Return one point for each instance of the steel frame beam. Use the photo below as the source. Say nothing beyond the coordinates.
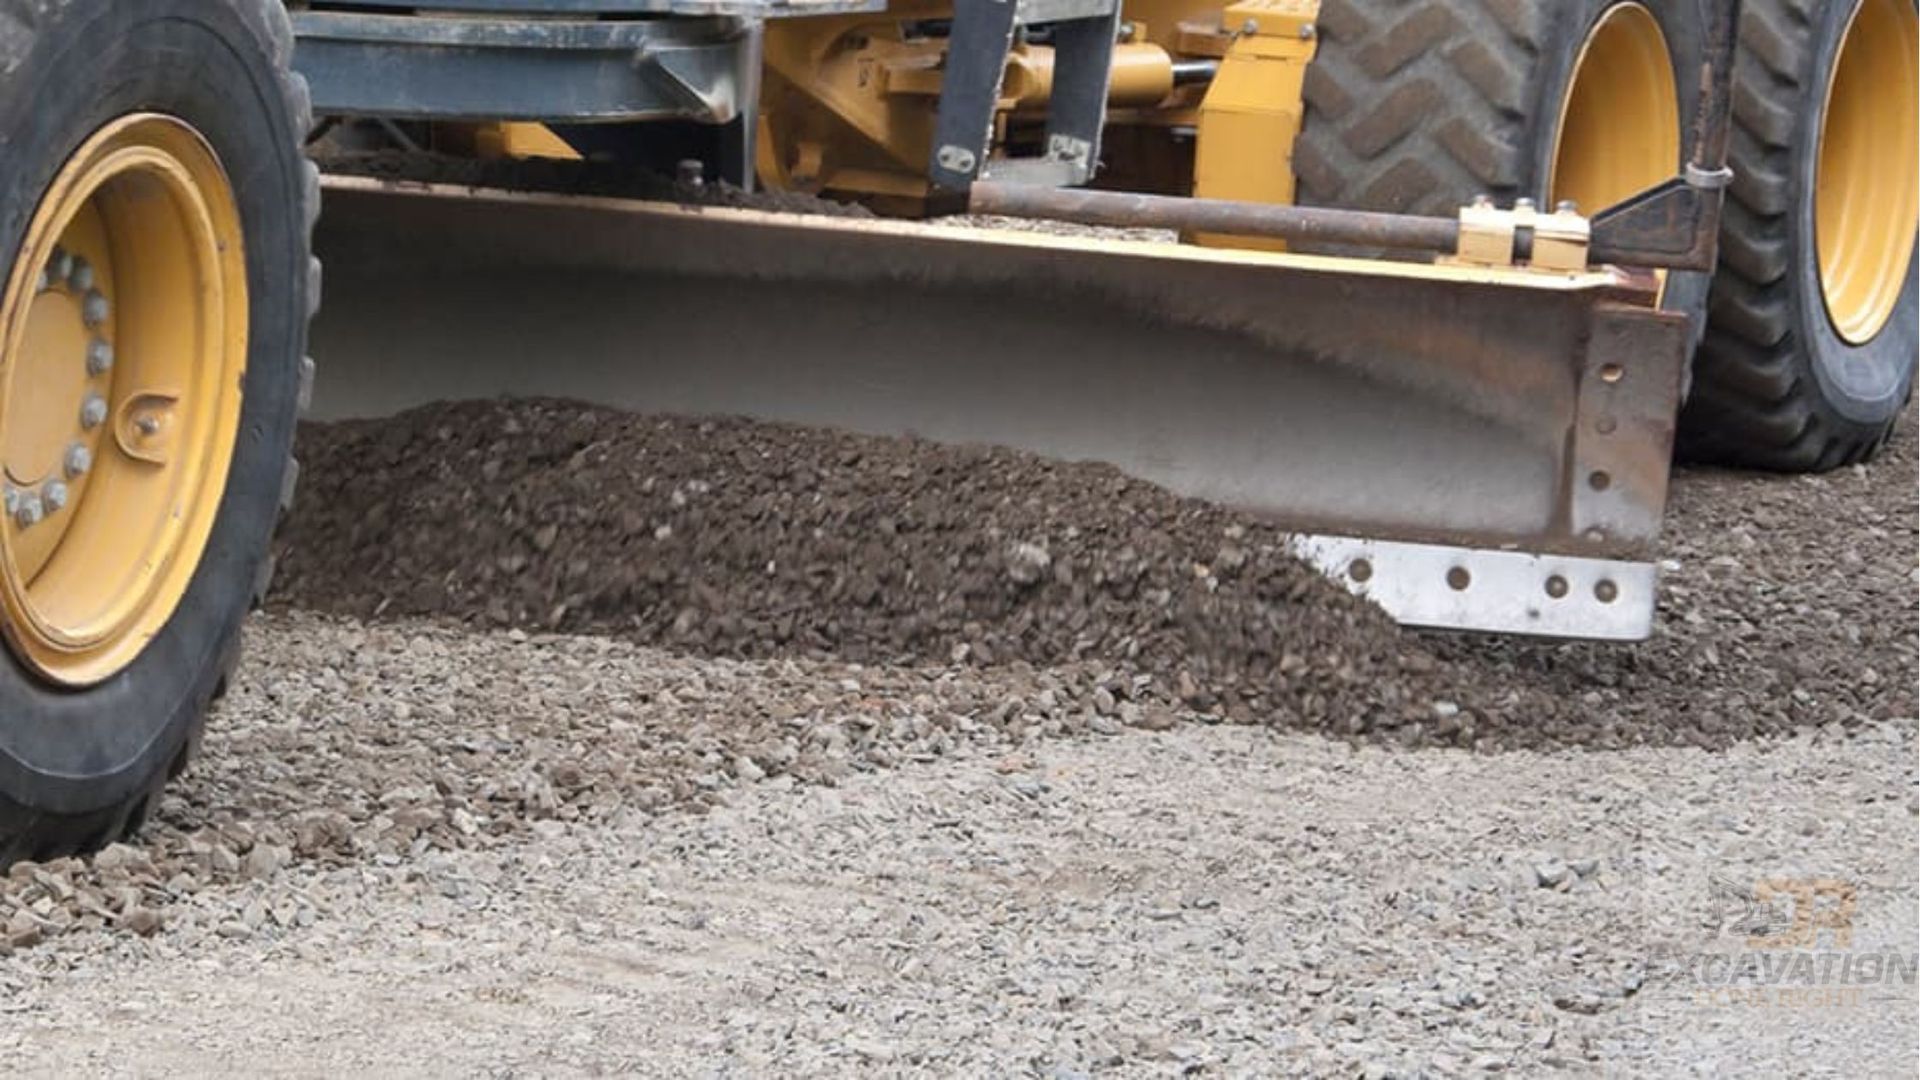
(704, 69)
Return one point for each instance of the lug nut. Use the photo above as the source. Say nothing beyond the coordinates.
(94, 309)
(1568, 206)
(93, 412)
(99, 357)
(59, 266)
(13, 501)
(79, 460)
(81, 276)
(54, 494)
(28, 512)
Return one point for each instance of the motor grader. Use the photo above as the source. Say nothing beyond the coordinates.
(1437, 284)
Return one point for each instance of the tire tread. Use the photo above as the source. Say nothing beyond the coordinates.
(1409, 105)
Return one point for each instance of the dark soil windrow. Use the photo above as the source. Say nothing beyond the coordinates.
(743, 539)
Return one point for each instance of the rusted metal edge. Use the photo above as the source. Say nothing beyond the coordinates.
(1294, 224)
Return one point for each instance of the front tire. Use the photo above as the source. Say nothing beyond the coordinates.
(182, 441)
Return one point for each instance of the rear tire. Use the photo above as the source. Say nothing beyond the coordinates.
(1776, 386)
(81, 766)
(1418, 107)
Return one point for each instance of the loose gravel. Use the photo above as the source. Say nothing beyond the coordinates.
(1785, 603)
(479, 813)
(739, 539)
(1215, 900)
(731, 538)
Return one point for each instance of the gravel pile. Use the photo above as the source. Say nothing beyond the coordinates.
(432, 791)
(740, 539)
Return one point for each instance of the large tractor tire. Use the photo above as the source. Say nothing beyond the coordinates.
(155, 212)
(1418, 107)
(1810, 352)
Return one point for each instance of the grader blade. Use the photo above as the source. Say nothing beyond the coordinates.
(1473, 448)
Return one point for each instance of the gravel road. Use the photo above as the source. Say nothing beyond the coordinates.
(436, 841)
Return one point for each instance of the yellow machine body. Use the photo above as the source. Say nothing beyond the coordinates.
(1253, 109)
(849, 101)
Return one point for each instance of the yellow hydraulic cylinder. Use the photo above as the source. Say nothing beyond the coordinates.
(1142, 76)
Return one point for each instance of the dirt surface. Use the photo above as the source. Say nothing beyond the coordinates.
(1060, 228)
(739, 539)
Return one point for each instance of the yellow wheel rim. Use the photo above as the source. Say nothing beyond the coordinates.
(1867, 190)
(1619, 128)
(124, 325)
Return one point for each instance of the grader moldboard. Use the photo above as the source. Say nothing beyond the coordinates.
(1355, 286)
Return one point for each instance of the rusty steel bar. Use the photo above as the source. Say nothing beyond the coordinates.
(1298, 224)
(1713, 113)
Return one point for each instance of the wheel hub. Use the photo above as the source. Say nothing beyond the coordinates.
(124, 328)
(64, 366)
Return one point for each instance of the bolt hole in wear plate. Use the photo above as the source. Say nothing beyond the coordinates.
(124, 325)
